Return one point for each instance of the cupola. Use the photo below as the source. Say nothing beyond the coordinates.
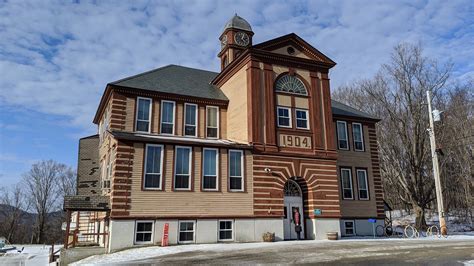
(235, 38)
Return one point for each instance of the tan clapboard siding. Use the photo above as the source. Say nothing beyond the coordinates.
(223, 123)
(156, 116)
(317, 179)
(179, 119)
(192, 203)
(202, 122)
(237, 116)
(130, 114)
(352, 159)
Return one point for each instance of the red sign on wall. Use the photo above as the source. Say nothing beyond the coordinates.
(164, 238)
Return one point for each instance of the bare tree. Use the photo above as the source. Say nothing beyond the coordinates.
(43, 185)
(397, 94)
(12, 212)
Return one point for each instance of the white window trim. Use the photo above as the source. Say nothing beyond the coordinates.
(196, 120)
(353, 227)
(307, 118)
(289, 114)
(161, 167)
(217, 170)
(194, 231)
(149, 116)
(366, 183)
(242, 170)
(152, 232)
(190, 149)
(347, 136)
(218, 118)
(219, 231)
(361, 136)
(161, 117)
(350, 182)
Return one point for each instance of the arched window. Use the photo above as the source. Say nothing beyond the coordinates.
(290, 84)
(292, 189)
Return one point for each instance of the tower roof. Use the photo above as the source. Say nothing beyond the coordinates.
(237, 22)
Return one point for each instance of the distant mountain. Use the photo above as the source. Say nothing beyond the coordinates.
(24, 231)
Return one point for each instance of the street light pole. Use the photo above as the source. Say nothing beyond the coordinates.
(434, 156)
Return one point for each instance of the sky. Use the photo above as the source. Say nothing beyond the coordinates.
(57, 56)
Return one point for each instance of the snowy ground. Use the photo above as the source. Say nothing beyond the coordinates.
(34, 255)
(324, 251)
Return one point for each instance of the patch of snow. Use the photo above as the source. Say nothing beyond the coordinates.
(34, 255)
(144, 253)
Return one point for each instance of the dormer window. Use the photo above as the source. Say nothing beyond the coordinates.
(290, 84)
(142, 124)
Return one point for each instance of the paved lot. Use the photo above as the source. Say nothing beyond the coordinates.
(361, 252)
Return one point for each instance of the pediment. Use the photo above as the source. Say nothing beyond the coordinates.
(293, 45)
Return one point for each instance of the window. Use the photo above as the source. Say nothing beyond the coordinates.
(210, 162)
(143, 232)
(212, 121)
(362, 184)
(290, 84)
(143, 115)
(346, 180)
(283, 117)
(236, 164)
(186, 231)
(182, 177)
(190, 119)
(167, 117)
(358, 135)
(153, 166)
(302, 119)
(226, 231)
(349, 228)
(342, 142)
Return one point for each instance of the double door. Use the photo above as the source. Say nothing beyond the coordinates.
(292, 206)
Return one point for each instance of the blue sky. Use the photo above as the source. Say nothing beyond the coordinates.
(56, 57)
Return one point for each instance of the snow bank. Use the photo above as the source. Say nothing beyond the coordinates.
(34, 255)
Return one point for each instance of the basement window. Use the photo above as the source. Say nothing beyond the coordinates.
(143, 232)
(186, 231)
(349, 228)
(226, 232)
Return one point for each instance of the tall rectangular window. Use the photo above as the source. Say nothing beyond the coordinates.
(302, 119)
(236, 165)
(346, 181)
(342, 141)
(283, 116)
(358, 135)
(142, 124)
(362, 184)
(226, 230)
(167, 117)
(153, 166)
(143, 232)
(182, 176)
(210, 163)
(212, 121)
(190, 119)
(186, 231)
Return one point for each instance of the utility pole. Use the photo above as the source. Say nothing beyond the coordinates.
(434, 156)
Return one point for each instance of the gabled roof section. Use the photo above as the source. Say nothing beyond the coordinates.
(176, 80)
(296, 41)
(340, 109)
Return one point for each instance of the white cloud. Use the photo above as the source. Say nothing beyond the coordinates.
(56, 58)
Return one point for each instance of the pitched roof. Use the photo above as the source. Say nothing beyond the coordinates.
(196, 82)
(177, 80)
(345, 110)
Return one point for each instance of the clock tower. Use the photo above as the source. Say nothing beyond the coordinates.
(236, 37)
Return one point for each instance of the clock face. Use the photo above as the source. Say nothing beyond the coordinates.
(224, 40)
(241, 38)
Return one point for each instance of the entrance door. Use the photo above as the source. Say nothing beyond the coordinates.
(293, 202)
